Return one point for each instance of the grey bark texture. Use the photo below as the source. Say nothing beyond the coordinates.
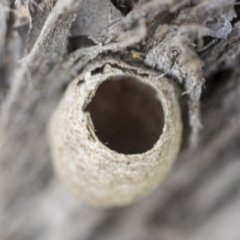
(45, 44)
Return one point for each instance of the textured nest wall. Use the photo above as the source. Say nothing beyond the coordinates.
(45, 45)
(115, 135)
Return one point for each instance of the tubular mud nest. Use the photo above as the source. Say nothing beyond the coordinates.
(115, 135)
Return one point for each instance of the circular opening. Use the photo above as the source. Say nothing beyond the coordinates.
(127, 116)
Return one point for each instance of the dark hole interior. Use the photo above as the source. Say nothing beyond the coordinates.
(124, 6)
(127, 116)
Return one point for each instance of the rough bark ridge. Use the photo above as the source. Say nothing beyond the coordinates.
(46, 44)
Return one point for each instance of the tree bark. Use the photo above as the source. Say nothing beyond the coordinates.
(44, 45)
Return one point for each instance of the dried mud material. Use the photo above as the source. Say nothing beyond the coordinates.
(115, 134)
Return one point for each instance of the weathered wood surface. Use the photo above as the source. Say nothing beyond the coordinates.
(188, 40)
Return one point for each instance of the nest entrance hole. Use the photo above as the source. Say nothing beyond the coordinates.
(127, 116)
